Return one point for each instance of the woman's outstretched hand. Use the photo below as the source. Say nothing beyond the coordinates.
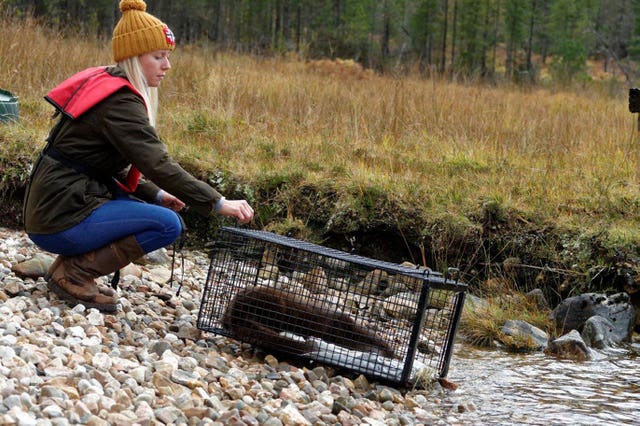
(239, 209)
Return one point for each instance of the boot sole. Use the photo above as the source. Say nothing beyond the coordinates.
(73, 301)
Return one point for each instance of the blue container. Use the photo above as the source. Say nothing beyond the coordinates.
(8, 107)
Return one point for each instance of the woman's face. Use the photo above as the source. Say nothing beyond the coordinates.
(155, 65)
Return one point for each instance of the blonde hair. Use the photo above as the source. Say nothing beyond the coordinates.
(133, 69)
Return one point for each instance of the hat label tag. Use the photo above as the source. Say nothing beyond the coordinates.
(168, 34)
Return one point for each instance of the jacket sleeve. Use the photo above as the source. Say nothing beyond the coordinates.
(147, 191)
(127, 127)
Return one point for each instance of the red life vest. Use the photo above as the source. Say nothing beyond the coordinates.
(81, 92)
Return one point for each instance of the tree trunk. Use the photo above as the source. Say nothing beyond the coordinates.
(530, 41)
(443, 59)
(453, 35)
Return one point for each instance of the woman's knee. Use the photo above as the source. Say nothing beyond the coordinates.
(168, 227)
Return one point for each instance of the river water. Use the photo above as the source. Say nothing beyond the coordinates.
(536, 389)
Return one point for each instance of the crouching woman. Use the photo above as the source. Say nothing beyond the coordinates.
(105, 190)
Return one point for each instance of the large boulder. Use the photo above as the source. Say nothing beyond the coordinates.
(572, 313)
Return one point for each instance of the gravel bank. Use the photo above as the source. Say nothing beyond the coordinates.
(148, 364)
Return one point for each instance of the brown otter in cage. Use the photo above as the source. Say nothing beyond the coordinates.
(281, 321)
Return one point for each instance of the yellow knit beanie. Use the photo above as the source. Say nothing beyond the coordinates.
(139, 32)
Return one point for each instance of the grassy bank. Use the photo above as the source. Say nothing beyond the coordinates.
(435, 172)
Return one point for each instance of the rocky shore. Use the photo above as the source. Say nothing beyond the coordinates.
(148, 364)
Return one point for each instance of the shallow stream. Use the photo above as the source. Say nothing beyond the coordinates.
(536, 389)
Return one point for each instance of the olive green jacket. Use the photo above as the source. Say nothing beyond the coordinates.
(109, 137)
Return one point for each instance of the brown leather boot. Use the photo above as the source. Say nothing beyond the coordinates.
(72, 278)
(103, 289)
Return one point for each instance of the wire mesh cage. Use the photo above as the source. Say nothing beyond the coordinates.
(390, 322)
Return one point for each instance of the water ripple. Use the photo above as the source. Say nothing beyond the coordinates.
(538, 389)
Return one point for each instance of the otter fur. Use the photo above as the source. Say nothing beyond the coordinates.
(268, 317)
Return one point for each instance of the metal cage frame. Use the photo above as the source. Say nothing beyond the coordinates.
(244, 262)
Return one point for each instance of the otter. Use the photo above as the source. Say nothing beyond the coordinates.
(282, 321)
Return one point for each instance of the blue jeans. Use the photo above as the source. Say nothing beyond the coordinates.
(153, 226)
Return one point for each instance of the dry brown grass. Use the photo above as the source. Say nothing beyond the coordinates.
(558, 155)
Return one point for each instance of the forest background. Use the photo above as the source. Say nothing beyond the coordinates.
(492, 136)
(510, 39)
